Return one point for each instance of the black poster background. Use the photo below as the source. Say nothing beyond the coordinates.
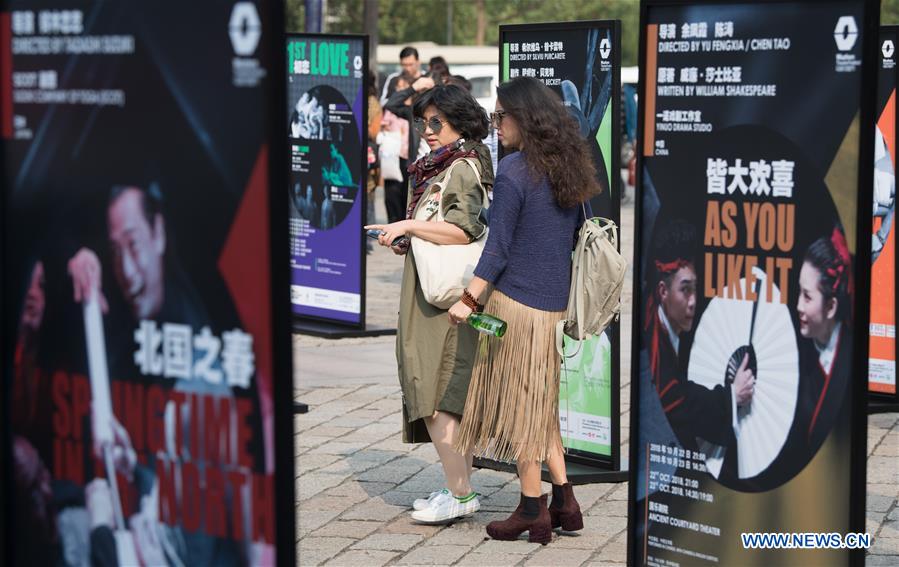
(819, 121)
(186, 115)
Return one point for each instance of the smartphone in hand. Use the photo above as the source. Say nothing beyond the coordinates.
(376, 232)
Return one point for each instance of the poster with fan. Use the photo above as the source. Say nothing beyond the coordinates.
(751, 278)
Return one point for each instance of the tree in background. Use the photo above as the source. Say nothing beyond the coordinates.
(406, 21)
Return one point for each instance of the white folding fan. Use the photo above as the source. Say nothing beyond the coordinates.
(728, 329)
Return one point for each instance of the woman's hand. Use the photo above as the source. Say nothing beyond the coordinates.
(459, 313)
(390, 232)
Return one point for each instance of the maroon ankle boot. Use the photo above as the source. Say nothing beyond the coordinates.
(566, 514)
(539, 529)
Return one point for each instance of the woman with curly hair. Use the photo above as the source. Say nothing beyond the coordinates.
(435, 358)
(539, 203)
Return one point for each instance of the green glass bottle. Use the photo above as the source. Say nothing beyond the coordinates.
(487, 324)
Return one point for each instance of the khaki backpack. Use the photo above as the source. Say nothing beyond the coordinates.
(597, 277)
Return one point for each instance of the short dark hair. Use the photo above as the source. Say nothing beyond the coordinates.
(409, 51)
(150, 199)
(834, 273)
(459, 108)
(674, 241)
(459, 80)
(439, 66)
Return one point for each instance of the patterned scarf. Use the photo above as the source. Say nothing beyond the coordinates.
(433, 164)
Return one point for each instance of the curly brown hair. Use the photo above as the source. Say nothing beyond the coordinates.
(551, 139)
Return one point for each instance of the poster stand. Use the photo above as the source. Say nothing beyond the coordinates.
(326, 330)
(578, 470)
(881, 406)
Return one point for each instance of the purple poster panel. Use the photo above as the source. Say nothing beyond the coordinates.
(326, 107)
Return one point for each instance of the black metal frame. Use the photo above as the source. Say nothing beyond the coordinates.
(317, 325)
(282, 344)
(612, 462)
(858, 415)
(881, 402)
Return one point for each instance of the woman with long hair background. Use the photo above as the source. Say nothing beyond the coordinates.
(539, 203)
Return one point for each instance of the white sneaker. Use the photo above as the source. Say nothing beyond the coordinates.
(445, 507)
(422, 503)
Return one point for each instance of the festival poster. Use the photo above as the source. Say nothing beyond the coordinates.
(581, 62)
(326, 124)
(139, 332)
(882, 349)
(750, 280)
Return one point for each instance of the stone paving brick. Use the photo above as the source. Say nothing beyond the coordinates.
(320, 396)
(360, 491)
(308, 521)
(611, 508)
(894, 514)
(877, 503)
(372, 510)
(311, 484)
(404, 524)
(498, 548)
(363, 558)
(881, 560)
(489, 560)
(390, 472)
(584, 539)
(604, 524)
(354, 529)
(348, 467)
(889, 530)
(309, 441)
(338, 447)
(310, 463)
(328, 430)
(462, 534)
(433, 555)
(322, 503)
(374, 432)
(885, 546)
(883, 470)
(613, 553)
(388, 542)
(551, 557)
(883, 489)
(873, 520)
(395, 443)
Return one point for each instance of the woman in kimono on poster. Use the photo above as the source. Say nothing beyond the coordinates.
(824, 312)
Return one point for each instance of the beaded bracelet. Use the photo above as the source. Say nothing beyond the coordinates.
(469, 301)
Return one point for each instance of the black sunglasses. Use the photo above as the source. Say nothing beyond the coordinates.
(435, 124)
(496, 118)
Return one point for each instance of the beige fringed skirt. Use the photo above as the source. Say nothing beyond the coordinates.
(512, 408)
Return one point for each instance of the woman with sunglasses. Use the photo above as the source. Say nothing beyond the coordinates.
(433, 356)
(539, 203)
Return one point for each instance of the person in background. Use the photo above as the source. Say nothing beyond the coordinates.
(410, 68)
(438, 69)
(374, 128)
(400, 104)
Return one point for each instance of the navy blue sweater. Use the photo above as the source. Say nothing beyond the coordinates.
(528, 250)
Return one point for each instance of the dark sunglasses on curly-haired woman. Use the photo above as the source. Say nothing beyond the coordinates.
(435, 124)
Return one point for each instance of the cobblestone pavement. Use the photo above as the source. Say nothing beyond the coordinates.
(355, 479)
